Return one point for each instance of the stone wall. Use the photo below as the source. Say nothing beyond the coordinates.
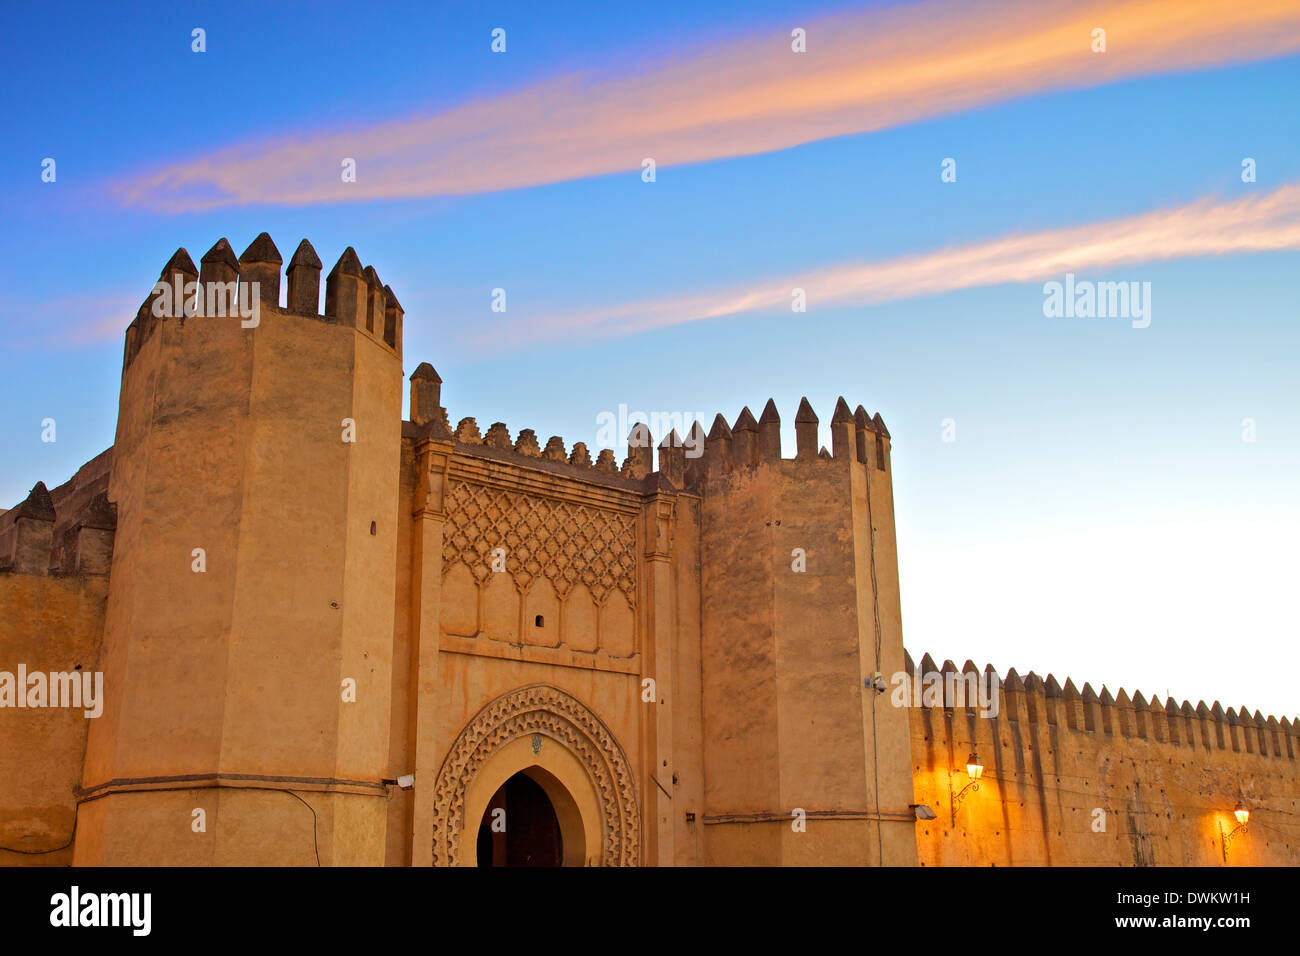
(1076, 778)
(55, 550)
(685, 658)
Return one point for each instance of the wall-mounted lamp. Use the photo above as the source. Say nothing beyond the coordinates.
(975, 770)
(1242, 815)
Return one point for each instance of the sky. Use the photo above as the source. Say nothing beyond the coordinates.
(1112, 499)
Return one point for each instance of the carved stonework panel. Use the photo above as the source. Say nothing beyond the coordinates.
(539, 712)
(558, 540)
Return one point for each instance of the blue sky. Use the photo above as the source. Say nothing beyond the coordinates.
(1098, 516)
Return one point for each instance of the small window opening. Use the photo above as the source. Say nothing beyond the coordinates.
(372, 527)
(540, 622)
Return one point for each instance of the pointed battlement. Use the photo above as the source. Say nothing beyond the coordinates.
(224, 288)
(260, 264)
(745, 440)
(67, 530)
(374, 300)
(689, 462)
(718, 449)
(805, 431)
(1033, 700)
(726, 449)
(1060, 765)
(219, 263)
(179, 265)
(672, 459)
(393, 315)
(28, 533)
(346, 290)
(429, 418)
(304, 280)
(843, 438)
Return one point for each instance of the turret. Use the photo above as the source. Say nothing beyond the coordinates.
(225, 467)
(426, 394)
(798, 571)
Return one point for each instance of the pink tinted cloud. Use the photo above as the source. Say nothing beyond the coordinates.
(861, 72)
(1207, 227)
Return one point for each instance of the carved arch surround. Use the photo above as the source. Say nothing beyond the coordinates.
(549, 712)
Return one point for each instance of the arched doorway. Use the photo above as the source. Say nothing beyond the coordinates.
(560, 745)
(520, 826)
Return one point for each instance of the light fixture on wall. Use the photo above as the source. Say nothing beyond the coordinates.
(974, 770)
(1243, 816)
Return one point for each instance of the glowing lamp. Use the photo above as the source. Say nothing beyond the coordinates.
(975, 770)
(1242, 815)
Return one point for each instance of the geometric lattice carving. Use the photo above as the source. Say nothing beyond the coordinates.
(548, 711)
(558, 540)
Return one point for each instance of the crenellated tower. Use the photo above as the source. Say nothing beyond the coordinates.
(804, 761)
(248, 634)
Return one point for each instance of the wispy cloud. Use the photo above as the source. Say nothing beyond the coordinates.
(81, 320)
(1207, 227)
(1203, 228)
(861, 72)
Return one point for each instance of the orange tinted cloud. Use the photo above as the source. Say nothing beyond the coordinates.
(860, 73)
(1207, 227)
